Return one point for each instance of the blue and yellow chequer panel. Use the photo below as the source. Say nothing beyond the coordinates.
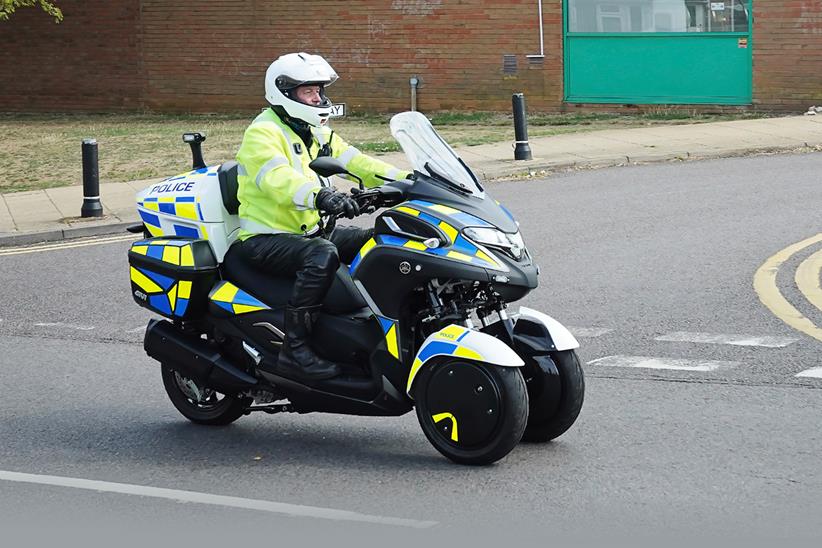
(462, 250)
(392, 338)
(186, 207)
(174, 252)
(465, 218)
(165, 295)
(445, 343)
(447, 229)
(229, 297)
(368, 246)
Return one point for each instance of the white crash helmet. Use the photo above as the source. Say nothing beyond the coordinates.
(298, 69)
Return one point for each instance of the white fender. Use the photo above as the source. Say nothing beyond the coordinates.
(563, 339)
(455, 340)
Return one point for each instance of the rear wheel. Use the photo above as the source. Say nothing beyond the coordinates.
(200, 404)
(556, 389)
(471, 412)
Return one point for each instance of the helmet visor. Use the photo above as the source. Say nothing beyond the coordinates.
(307, 93)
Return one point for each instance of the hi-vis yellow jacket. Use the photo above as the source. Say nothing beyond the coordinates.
(276, 186)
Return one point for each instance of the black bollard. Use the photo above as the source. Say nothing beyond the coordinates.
(91, 181)
(521, 149)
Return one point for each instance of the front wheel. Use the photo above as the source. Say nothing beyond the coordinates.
(556, 389)
(200, 404)
(471, 412)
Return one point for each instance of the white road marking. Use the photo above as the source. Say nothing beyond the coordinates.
(216, 500)
(137, 329)
(814, 372)
(66, 325)
(646, 362)
(736, 340)
(588, 332)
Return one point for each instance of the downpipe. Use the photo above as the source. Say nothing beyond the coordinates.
(194, 358)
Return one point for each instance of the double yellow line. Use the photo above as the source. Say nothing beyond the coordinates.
(66, 245)
(807, 280)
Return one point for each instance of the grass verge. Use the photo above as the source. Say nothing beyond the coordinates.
(43, 151)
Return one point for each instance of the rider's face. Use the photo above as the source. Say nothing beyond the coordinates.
(310, 95)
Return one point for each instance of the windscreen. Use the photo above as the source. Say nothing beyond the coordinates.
(428, 153)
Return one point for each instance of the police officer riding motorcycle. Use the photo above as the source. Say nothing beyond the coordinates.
(281, 200)
(243, 262)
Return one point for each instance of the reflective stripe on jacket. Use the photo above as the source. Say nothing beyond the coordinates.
(277, 188)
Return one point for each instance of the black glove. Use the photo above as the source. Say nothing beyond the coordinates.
(336, 203)
(411, 176)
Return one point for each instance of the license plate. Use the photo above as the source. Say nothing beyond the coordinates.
(338, 110)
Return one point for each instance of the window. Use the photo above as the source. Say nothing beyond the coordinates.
(614, 16)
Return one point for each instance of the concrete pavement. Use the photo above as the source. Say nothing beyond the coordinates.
(53, 214)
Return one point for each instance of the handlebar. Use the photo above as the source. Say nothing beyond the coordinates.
(370, 200)
(387, 195)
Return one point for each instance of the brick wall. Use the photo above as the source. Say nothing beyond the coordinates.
(212, 55)
(455, 47)
(787, 54)
(172, 56)
(90, 61)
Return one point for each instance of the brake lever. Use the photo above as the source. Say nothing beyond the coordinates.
(365, 197)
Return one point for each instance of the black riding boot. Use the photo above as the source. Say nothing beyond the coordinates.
(296, 357)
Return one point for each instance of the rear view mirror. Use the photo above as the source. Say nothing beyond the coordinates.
(326, 166)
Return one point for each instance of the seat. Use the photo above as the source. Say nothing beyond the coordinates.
(227, 175)
(343, 297)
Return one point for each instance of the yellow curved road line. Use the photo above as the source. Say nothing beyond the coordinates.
(765, 286)
(807, 279)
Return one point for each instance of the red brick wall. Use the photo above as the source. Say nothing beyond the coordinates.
(212, 55)
(787, 54)
(90, 61)
(455, 47)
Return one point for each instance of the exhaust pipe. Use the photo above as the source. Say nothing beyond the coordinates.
(194, 358)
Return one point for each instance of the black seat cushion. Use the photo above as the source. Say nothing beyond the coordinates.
(227, 174)
(343, 296)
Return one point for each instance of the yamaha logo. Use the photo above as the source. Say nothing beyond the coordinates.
(405, 267)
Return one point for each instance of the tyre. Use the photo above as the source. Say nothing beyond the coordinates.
(200, 404)
(555, 403)
(471, 412)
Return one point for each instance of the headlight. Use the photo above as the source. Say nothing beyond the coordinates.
(512, 243)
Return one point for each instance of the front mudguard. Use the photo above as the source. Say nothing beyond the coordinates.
(542, 331)
(458, 341)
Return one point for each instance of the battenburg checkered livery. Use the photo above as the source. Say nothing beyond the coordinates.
(400, 322)
(189, 205)
(172, 277)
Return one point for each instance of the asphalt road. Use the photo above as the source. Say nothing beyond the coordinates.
(727, 446)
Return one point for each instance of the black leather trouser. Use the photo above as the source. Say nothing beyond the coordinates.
(313, 261)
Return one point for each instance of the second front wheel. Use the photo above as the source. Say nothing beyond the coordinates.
(471, 412)
(556, 390)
